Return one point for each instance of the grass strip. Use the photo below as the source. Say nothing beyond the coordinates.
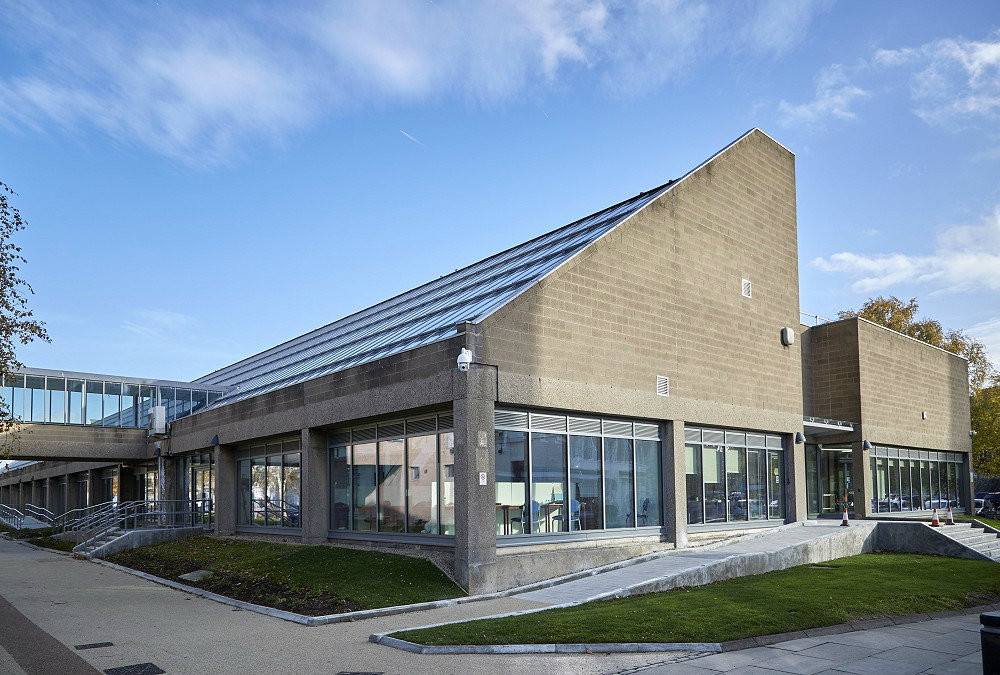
(858, 587)
(313, 580)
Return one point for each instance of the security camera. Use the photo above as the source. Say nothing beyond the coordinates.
(464, 360)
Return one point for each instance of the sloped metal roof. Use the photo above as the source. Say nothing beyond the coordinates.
(421, 316)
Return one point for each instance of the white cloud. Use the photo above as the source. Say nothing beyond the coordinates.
(200, 87)
(988, 332)
(833, 99)
(965, 258)
(954, 79)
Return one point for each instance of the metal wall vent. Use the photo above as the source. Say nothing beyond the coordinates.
(541, 422)
(584, 427)
(446, 421)
(615, 428)
(424, 426)
(509, 419)
(662, 385)
(647, 431)
(747, 289)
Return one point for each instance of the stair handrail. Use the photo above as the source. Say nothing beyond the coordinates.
(143, 514)
(67, 519)
(91, 515)
(10, 515)
(39, 513)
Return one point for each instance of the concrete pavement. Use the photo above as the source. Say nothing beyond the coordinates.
(940, 647)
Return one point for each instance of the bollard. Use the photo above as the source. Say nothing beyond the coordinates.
(990, 637)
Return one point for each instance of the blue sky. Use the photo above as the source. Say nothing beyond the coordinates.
(203, 182)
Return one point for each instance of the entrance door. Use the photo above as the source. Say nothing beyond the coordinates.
(828, 481)
(201, 493)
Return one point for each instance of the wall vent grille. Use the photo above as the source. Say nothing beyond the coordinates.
(747, 289)
(578, 425)
(341, 438)
(364, 434)
(662, 385)
(547, 422)
(509, 419)
(391, 430)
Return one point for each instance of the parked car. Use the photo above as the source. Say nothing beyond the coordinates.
(978, 506)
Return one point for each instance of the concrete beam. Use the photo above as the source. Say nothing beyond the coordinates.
(79, 443)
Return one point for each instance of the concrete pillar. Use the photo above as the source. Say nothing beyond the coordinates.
(51, 485)
(675, 484)
(225, 489)
(861, 479)
(314, 514)
(36, 493)
(93, 485)
(967, 483)
(796, 507)
(475, 503)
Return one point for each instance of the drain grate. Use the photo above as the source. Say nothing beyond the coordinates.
(137, 669)
(95, 645)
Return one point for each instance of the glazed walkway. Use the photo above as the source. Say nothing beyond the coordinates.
(820, 540)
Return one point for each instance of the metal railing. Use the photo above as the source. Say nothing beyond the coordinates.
(147, 514)
(11, 517)
(40, 513)
(814, 319)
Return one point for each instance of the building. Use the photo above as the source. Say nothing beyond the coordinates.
(639, 379)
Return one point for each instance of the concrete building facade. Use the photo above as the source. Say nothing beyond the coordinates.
(635, 380)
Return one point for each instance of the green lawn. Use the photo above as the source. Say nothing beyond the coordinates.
(308, 579)
(864, 586)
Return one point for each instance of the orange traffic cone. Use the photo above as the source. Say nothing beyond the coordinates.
(951, 517)
(934, 520)
(844, 523)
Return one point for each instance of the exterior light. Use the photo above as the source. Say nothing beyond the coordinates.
(799, 437)
(866, 444)
(464, 360)
(787, 336)
(972, 433)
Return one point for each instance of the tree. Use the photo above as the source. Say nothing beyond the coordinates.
(17, 323)
(984, 383)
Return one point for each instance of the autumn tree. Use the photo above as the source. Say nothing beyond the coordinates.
(18, 325)
(984, 384)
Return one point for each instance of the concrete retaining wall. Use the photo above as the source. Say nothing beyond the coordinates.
(911, 537)
(137, 538)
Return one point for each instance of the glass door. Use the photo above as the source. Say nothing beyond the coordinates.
(201, 494)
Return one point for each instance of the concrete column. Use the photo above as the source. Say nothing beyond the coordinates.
(226, 482)
(967, 483)
(51, 485)
(315, 510)
(796, 507)
(861, 479)
(93, 483)
(475, 503)
(36, 493)
(675, 484)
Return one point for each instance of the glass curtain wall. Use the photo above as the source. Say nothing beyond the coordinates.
(270, 484)
(397, 477)
(564, 474)
(916, 480)
(57, 400)
(733, 476)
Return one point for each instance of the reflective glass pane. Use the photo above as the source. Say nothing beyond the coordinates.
(130, 406)
(363, 484)
(647, 482)
(95, 402)
(213, 396)
(392, 486)
(245, 512)
(34, 398)
(925, 484)
(814, 492)
(112, 404)
(199, 399)
(693, 478)
(548, 482)
(586, 504)
(183, 402)
(147, 399)
(259, 492)
(447, 468)
(422, 488)
(55, 400)
(714, 465)
(275, 505)
(757, 483)
(776, 484)
(17, 393)
(168, 399)
(512, 476)
(880, 501)
(904, 484)
(619, 493)
(75, 399)
(292, 491)
(340, 488)
(736, 483)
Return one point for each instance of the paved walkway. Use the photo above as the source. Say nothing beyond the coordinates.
(676, 563)
(942, 646)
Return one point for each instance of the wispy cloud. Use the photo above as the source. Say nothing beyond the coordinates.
(965, 258)
(412, 138)
(834, 96)
(201, 86)
(988, 332)
(952, 80)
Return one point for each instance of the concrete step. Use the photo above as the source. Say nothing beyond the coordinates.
(977, 540)
(988, 545)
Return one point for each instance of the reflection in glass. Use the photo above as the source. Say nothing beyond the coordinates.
(392, 486)
(291, 490)
(421, 457)
(693, 477)
(246, 493)
(736, 470)
(275, 501)
(199, 399)
(259, 498)
(548, 482)
(647, 482)
(619, 494)
(340, 486)
(511, 450)
(55, 400)
(447, 480)
(168, 399)
(757, 482)
(776, 499)
(17, 393)
(586, 502)
(363, 482)
(74, 394)
(35, 398)
(95, 402)
(713, 462)
(130, 407)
